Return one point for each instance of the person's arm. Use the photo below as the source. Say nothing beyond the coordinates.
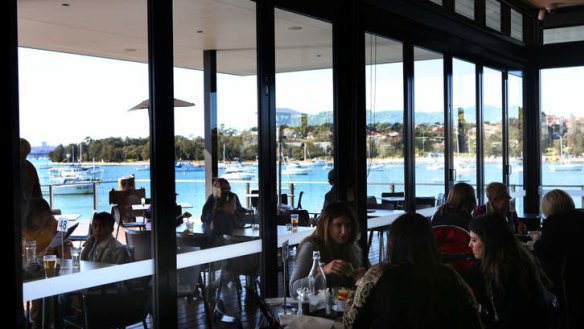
(207, 213)
(299, 276)
(358, 311)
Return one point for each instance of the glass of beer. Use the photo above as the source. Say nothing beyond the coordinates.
(50, 264)
(294, 222)
(75, 257)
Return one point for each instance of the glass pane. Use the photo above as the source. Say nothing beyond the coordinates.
(304, 104)
(516, 25)
(493, 125)
(515, 142)
(564, 34)
(429, 122)
(465, 8)
(464, 125)
(493, 14)
(562, 137)
(384, 87)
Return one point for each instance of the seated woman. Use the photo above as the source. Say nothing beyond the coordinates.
(498, 203)
(413, 290)
(507, 281)
(221, 185)
(223, 217)
(560, 252)
(457, 208)
(335, 237)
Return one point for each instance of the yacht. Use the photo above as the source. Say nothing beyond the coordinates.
(74, 179)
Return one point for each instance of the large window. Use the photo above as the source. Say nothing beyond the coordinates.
(515, 142)
(464, 134)
(384, 88)
(429, 123)
(304, 105)
(562, 132)
(493, 125)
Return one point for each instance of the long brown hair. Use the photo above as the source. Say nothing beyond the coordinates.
(461, 199)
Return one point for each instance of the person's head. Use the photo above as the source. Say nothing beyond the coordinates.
(411, 241)
(498, 197)
(461, 197)
(24, 149)
(490, 236)
(39, 214)
(337, 224)
(102, 225)
(221, 185)
(555, 202)
(226, 203)
(331, 177)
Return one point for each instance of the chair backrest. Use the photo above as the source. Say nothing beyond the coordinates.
(303, 217)
(452, 242)
(112, 310)
(188, 277)
(299, 204)
(371, 200)
(254, 200)
(125, 199)
(141, 243)
(440, 199)
(425, 202)
(284, 198)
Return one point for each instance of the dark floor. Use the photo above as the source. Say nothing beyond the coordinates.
(191, 312)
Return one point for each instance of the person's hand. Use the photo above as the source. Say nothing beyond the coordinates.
(337, 266)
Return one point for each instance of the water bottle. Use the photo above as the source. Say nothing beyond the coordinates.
(317, 284)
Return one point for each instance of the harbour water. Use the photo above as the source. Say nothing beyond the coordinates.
(381, 176)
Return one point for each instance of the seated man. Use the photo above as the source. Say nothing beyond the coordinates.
(101, 246)
(499, 197)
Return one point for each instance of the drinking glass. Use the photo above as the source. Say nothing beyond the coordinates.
(75, 257)
(50, 265)
(30, 251)
(294, 222)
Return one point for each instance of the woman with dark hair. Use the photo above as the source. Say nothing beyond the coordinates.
(412, 290)
(457, 208)
(336, 235)
(508, 283)
(223, 216)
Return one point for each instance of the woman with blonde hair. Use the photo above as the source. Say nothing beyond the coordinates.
(457, 208)
(559, 251)
(555, 202)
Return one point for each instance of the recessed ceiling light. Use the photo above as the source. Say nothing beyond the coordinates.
(318, 55)
(200, 31)
(295, 28)
(65, 4)
(130, 49)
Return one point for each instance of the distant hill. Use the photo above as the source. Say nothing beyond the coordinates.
(490, 113)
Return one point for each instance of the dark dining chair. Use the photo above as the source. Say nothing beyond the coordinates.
(140, 244)
(112, 310)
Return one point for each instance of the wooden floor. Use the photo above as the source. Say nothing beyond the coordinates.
(191, 313)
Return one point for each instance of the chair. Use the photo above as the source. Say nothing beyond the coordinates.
(380, 230)
(452, 242)
(188, 279)
(284, 198)
(303, 217)
(299, 204)
(423, 202)
(396, 204)
(371, 200)
(112, 310)
(125, 199)
(116, 213)
(140, 242)
(440, 199)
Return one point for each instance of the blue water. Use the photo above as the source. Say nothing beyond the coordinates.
(190, 185)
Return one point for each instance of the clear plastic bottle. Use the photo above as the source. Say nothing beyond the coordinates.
(317, 284)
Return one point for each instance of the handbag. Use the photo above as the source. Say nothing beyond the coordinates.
(267, 320)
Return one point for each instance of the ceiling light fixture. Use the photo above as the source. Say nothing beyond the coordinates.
(295, 28)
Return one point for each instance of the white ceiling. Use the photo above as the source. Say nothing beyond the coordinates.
(117, 29)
